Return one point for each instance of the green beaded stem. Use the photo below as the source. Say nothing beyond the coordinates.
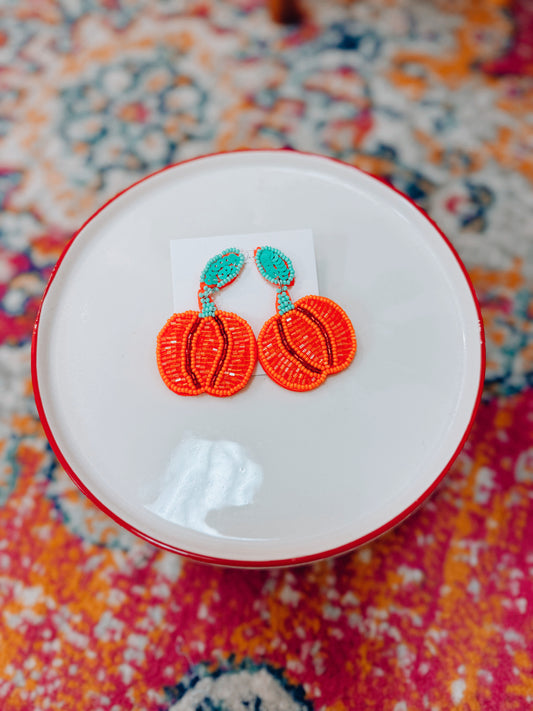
(219, 271)
(277, 269)
(283, 301)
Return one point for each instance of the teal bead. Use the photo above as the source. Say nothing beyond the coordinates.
(222, 268)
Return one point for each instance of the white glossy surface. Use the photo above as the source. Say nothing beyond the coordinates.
(267, 474)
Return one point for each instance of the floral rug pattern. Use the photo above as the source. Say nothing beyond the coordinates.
(435, 97)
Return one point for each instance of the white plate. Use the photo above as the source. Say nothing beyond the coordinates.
(267, 476)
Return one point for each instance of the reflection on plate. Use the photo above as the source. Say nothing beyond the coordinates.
(203, 477)
(267, 476)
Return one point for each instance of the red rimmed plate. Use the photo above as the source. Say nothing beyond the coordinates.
(269, 476)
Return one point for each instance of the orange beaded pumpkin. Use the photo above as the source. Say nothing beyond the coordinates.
(208, 351)
(306, 340)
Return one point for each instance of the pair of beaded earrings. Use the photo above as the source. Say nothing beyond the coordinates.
(215, 351)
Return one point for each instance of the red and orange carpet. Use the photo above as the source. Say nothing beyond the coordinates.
(436, 97)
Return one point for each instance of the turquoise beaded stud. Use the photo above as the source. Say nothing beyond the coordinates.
(219, 271)
(276, 268)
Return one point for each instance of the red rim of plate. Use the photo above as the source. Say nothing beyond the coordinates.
(345, 548)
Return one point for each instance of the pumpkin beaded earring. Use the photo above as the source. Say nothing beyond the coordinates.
(208, 351)
(306, 340)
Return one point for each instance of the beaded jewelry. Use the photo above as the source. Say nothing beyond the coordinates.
(306, 340)
(208, 351)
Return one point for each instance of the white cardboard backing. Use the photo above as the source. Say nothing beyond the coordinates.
(249, 296)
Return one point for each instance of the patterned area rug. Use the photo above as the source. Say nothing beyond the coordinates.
(437, 98)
